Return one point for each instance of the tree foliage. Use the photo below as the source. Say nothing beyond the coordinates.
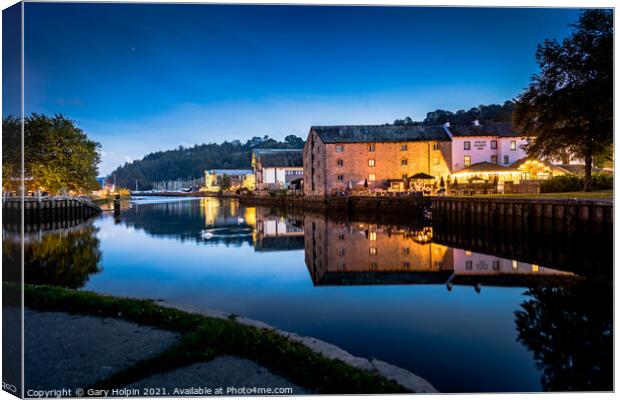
(57, 155)
(568, 106)
(483, 113)
(192, 162)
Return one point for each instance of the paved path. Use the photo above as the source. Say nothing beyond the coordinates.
(75, 351)
(229, 373)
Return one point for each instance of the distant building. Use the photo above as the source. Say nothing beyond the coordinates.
(239, 178)
(277, 168)
(377, 157)
(496, 143)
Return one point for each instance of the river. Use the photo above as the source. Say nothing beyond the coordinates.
(465, 320)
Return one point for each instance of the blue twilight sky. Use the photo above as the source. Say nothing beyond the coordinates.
(145, 77)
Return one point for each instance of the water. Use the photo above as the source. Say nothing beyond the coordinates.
(464, 320)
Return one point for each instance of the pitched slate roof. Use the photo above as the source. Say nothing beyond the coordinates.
(230, 171)
(502, 129)
(279, 157)
(486, 166)
(380, 133)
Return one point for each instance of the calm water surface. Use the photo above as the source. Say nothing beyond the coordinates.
(464, 320)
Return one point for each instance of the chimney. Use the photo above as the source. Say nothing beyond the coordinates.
(476, 122)
(446, 128)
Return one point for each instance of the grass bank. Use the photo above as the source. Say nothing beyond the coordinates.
(204, 338)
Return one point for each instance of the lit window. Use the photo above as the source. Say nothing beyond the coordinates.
(435, 160)
(372, 235)
(371, 177)
(469, 265)
(371, 147)
(513, 145)
(403, 162)
(373, 251)
(467, 161)
(467, 145)
(515, 265)
(435, 146)
(341, 178)
(371, 163)
(339, 148)
(494, 144)
(403, 147)
(494, 159)
(534, 267)
(340, 162)
(506, 160)
(468, 253)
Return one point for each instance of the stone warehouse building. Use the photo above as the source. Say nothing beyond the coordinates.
(276, 169)
(338, 158)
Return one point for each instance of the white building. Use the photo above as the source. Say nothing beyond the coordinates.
(277, 168)
(495, 143)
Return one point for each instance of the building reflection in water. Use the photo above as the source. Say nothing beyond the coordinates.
(338, 253)
(275, 232)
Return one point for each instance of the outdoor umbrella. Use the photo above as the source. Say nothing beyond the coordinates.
(422, 176)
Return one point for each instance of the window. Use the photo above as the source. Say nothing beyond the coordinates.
(494, 159)
(373, 265)
(403, 162)
(341, 236)
(341, 178)
(340, 162)
(372, 236)
(495, 265)
(469, 265)
(534, 267)
(515, 265)
(404, 176)
(405, 251)
(435, 160)
(467, 161)
(341, 266)
(506, 160)
(406, 264)
(494, 144)
(371, 147)
(435, 146)
(371, 162)
(341, 251)
(339, 148)
(403, 147)
(373, 251)
(513, 145)
(467, 145)
(371, 177)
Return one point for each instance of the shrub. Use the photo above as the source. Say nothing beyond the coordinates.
(602, 181)
(562, 183)
(574, 183)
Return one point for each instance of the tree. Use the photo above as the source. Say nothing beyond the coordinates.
(57, 155)
(568, 106)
